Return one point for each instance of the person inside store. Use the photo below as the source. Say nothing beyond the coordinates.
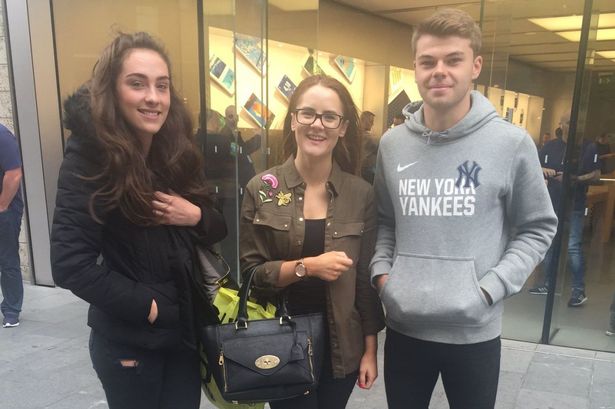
(398, 119)
(130, 190)
(546, 137)
(607, 158)
(464, 218)
(370, 146)
(308, 227)
(587, 171)
(11, 212)
(228, 168)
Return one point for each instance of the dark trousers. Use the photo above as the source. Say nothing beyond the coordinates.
(10, 270)
(469, 372)
(160, 379)
(331, 393)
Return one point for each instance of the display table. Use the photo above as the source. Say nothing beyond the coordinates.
(601, 202)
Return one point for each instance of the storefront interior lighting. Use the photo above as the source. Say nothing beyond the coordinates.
(568, 27)
(295, 5)
(610, 55)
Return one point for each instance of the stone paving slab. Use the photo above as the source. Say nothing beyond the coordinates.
(45, 363)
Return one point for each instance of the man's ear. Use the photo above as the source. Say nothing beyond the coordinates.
(477, 66)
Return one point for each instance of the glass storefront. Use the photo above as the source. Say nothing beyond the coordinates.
(236, 62)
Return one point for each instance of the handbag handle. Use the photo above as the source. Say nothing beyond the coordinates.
(244, 292)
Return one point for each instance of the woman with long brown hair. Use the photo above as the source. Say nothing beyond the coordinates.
(130, 189)
(309, 226)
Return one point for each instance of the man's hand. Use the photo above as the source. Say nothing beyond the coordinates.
(175, 210)
(487, 296)
(381, 281)
(548, 172)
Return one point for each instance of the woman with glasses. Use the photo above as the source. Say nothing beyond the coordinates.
(309, 226)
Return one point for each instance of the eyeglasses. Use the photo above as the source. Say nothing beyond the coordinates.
(306, 116)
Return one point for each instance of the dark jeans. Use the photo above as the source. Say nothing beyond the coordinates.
(331, 393)
(161, 379)
(10, 270)
(469, 372)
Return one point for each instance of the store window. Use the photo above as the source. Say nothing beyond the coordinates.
(536, 80)
(236, 63)
(82, 28)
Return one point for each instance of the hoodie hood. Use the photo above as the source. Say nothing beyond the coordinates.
(78, 114)
(481, 112)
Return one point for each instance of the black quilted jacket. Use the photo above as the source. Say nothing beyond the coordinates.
(119, 267)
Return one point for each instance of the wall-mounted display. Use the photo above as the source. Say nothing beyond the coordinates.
(311, 67)
(286, 87)
(395, 81)
(258, 111)
(222, 74)
(250, 49)
(396, 105)
(346, 65)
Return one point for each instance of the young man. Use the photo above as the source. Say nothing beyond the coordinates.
(464, 218)
(551, 158)
(11, 209)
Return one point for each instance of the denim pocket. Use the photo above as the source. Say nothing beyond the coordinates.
(433, 289)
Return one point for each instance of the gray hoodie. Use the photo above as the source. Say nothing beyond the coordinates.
(458, 210)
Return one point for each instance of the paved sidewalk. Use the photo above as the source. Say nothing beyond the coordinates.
(44, 364)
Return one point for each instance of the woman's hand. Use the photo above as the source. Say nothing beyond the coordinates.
(328, 266)
(368, 368)
(175, 210)
(153, 312)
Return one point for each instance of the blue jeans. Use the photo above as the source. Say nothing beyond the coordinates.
(576, 261)
(10, 270)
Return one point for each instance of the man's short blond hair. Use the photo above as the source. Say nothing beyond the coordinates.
(450, 22)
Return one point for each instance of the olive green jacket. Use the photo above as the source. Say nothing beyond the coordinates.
(272, 231)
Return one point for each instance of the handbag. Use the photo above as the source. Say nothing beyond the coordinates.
(214, 285)
(267, 359)
(214, 271)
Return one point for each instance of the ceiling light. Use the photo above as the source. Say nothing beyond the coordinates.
(575, 36)
(295, 5)
(607, 54)
(572, 22)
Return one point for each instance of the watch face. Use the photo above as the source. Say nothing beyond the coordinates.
(300, 270)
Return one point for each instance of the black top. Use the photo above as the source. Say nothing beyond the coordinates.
(308, 295)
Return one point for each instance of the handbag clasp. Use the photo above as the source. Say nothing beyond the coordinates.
(267, 362)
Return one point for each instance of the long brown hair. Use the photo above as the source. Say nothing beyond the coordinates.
(129, 178)
(347, 152)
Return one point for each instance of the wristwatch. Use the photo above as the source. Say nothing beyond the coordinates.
(300, 270)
